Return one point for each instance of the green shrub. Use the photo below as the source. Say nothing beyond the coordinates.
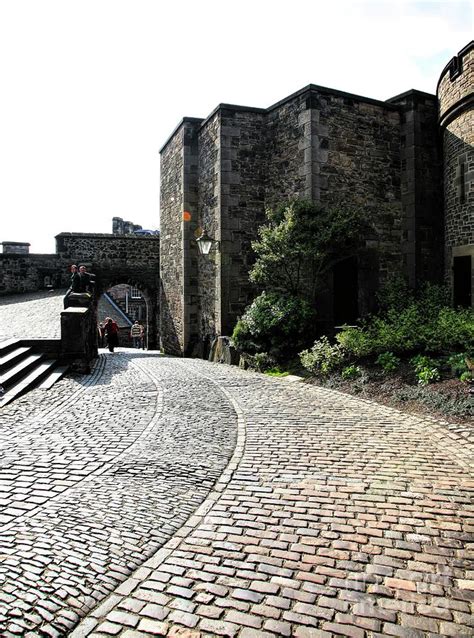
(276, 372)
(274, 323)
(422, 362)
(426, 369)
(452, 329)
(262, 361)
(388, 361)
(428, 375)
(457, 364)
(351, 372)
(424, 325)
(323, 357)
(466, 377)
(355, 341)
(395, 294)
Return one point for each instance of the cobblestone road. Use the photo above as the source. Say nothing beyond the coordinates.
(33, 315)
(331, 516)
(94, 477)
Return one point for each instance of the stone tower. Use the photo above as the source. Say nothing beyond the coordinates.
(456, 104)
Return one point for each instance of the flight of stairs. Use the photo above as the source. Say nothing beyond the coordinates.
(21, 369)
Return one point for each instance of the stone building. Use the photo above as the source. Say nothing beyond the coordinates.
(218, 175)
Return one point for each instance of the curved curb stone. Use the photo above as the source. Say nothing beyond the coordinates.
(179, 538)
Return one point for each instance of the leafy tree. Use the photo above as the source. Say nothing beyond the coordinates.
(301, 241)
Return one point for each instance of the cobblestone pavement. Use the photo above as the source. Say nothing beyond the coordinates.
(95, 476)
(331, 516)
(34, 315)
(334, 517)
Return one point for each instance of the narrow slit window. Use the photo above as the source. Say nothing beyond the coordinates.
(462, 183)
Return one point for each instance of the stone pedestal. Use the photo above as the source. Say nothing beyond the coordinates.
(79, 332)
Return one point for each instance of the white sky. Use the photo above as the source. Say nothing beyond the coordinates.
(90, 90)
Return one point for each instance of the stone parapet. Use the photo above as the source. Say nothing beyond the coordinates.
(456, 85)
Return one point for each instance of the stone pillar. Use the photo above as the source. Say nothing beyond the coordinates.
(79, 333)
(314, 145)
(117, 225)
(421, 190)
(189, 224)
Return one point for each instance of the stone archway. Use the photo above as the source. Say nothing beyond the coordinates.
(105, 282)
(119, 259)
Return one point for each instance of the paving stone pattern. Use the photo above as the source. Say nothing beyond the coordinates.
(95, 476)
(32, 315)
(335, 517)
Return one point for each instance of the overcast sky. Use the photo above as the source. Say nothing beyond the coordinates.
(90, 90)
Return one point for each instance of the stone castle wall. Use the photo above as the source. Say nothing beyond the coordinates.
(287, 152)
(321, 144)
(456, 80)
(356, 162)
(421, 186)
(207, 213)
(171, 221)
(242, 147)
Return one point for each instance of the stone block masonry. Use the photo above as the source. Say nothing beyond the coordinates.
(320, 144)
(456, 112)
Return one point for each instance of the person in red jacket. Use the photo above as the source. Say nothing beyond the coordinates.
(111, 332)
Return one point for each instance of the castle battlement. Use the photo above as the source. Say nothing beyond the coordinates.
(455, 86)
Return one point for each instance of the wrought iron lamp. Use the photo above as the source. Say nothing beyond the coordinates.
(204, 243)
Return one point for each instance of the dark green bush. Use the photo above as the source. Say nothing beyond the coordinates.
(274, 323)
(424, 325)
(388, 361)
(457, 363)
(351, 372)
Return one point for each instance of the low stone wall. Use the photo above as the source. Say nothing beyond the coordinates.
(31, 272)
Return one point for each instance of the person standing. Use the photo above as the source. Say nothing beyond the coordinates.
(135, 333)
(101, 330)
(111, 332)
(86, 280)
(74, 285)
(142, 336)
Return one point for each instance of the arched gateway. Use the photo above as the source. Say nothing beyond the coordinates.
(118, 259)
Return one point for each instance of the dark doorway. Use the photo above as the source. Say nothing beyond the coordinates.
(462, 281)
(346, 291)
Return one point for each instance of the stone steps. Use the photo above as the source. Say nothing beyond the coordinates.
(21, 370)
